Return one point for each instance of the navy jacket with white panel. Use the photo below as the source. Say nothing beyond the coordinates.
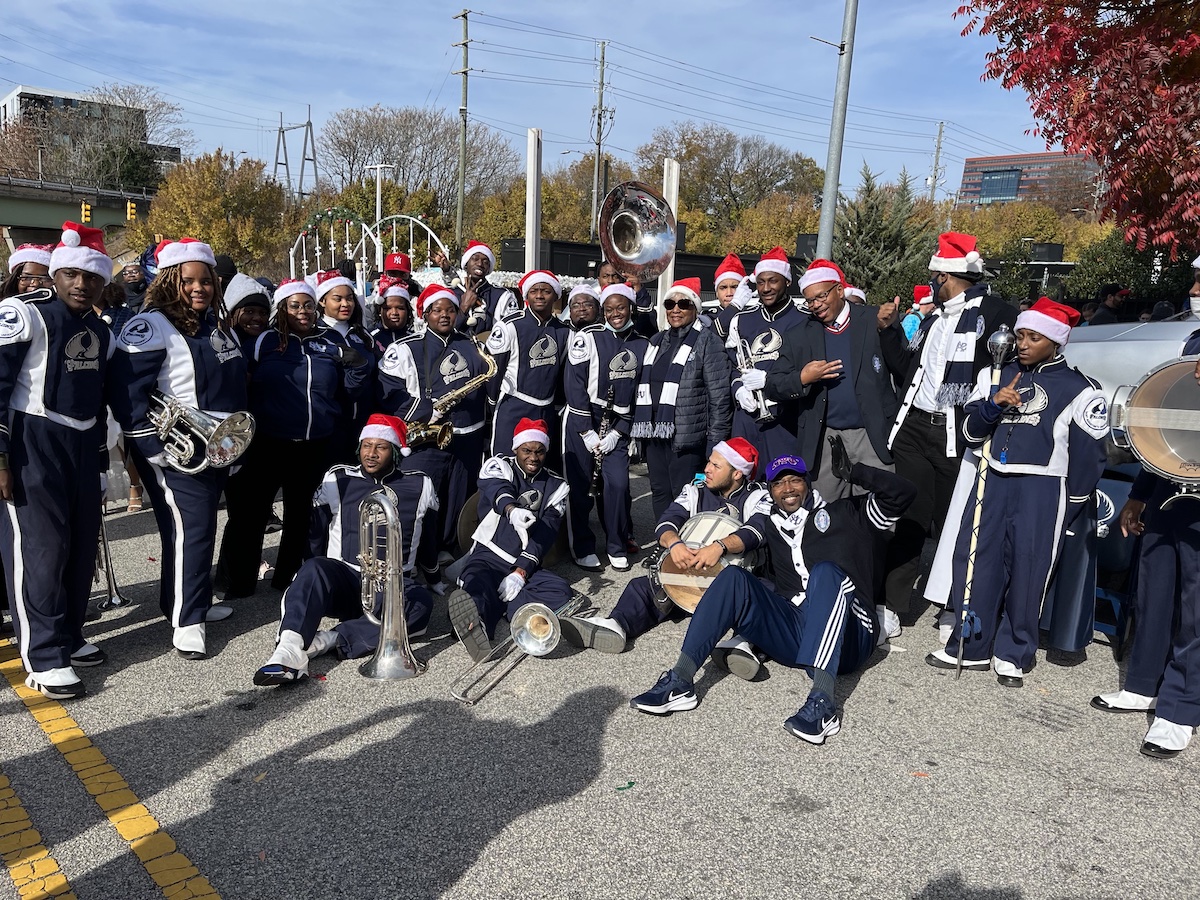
(421, 368)
(748, 500)
(501, 482)
(600, 359)
(529, 357)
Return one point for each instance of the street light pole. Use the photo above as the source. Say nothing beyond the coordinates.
(837, 132)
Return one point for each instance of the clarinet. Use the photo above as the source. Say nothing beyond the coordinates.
(605, 426)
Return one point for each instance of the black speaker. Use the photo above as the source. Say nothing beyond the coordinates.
(681, 237)
(806, 247)
(1046, 253)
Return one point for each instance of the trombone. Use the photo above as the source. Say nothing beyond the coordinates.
(380, 548)
(534, 631)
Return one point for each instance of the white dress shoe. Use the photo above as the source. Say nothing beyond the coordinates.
(1165, 738)
(620, 563)
(189, 641)
(589, 563)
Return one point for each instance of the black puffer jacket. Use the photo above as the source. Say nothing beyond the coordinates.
(703, 407)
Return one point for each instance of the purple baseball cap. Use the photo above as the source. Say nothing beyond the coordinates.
(781, 464)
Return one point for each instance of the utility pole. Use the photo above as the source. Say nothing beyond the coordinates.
(462, 132)
(837, 131)
(600, 115)
(937, 164)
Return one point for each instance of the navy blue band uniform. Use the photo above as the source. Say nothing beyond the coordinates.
(528, 382)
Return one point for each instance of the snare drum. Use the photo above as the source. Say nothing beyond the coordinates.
(1159, 420)
(685, 587)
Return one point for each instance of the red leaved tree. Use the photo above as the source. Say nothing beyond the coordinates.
(1120, 81)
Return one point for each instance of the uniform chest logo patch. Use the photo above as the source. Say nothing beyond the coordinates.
(137, 332)
(10, 322)
(821, 520)
(495, 341)
(453, 367)
(876, 364)
(224, 344)
(979, 326)
(83, 352)
(530, 499)
(766, 345)
(544, 352)
(623, 365)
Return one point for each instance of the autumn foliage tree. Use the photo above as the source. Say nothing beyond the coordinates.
(1120, 81)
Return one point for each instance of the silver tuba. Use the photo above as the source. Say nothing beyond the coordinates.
(185, 432)
(637, 231)
(380, 552)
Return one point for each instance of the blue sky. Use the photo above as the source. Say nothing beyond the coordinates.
(749, 66)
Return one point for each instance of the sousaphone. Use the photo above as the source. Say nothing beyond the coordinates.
(637, 231)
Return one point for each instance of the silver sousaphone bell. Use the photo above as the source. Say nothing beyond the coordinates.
(1158, 420)
(637, 231)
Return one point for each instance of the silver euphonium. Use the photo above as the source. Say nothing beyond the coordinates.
(185, 432)
(380, 557)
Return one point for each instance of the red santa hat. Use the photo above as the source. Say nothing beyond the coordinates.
(34, 253)
(774, 260)
(328, 280)
(387, 428)
(740, 454)
(922, 293)
(730, 268)
(540, 276)
(689, 288)
(432, 294)
(289, 287)
(619, 289)
(956, 254)
(852, 291)
(530, 430)
(175, 253)
(820, 271)
(81, 247)
(392, 287)
(1054, 320)
(478, 247)
(397, 262)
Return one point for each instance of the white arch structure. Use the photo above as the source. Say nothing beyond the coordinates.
(318, 248)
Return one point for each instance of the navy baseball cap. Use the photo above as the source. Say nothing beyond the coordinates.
(781, 464)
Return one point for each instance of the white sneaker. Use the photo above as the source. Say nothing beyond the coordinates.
(620, 563)
(589, 563)
(57, 684)
(322, 643)
(889, 620)
(189, 641)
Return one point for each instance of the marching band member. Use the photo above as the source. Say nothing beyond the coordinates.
(529, 346)
(329, 584)
(249, 307)
(600, 383)
(819, 616)
(645, 320)
(398, 268)
(728, 488)
(834, 368)
(483, 304)
(521, 504)
(759, 336)
(28, 270)
(298, 381)
(730, 276)
(1047, 427)
(683, 404)
(422, 369)
(393, 312)
(936, 372)
(341, 317)
(583, 306)
(181, 344)
(1162, 670)
(54, 354)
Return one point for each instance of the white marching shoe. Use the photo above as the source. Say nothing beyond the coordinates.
(1123, 701)
(189, 641)
(595, 632)
(736, 655)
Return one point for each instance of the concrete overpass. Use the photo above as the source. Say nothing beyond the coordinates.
(32, 210)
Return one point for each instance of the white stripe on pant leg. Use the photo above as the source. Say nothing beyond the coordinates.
(565, 451)
(834, 627)
(19, 586)
(177, 588)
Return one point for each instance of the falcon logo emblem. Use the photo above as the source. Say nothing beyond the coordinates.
(766, 346)
(453, 367)
(10, 322)
(224, 344)
(137, 332)
(544, 352)
(83, 352)
(531, 499)
(623, 365)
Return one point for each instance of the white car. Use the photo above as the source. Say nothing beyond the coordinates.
(1124, 353)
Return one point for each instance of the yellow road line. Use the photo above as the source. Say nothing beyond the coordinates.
(171, 870)
(35, 873)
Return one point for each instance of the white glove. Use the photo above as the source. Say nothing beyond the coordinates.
(745, 399)
(591, 441)
(755, 379)
(608, 443)
(521, 519)
(510, 587)
(103, 483)
(744, 293)
(158, 459)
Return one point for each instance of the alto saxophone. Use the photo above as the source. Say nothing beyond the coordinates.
(423, 432)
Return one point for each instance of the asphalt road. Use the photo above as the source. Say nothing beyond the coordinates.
(553, 787)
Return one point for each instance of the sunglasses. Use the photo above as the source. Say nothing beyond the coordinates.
(683, 304)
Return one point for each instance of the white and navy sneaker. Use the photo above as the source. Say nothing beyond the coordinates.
(816, 720)
(468, 625)
(88, 655)
(57, 684)
(670, 694)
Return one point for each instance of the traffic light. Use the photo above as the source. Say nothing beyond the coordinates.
(85, 212)
(130, 211)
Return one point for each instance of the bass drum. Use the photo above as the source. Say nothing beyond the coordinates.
(468, 521)
(1159, 420)
(685, 587)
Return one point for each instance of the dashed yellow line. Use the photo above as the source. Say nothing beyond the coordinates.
(171, 870)
(35, 873)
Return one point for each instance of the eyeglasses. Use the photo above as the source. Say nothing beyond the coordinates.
(301, 307)
(821, 297)
(684, 304)
(36, 279)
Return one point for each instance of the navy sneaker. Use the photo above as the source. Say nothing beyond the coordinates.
(816, 720)
(670, 694)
